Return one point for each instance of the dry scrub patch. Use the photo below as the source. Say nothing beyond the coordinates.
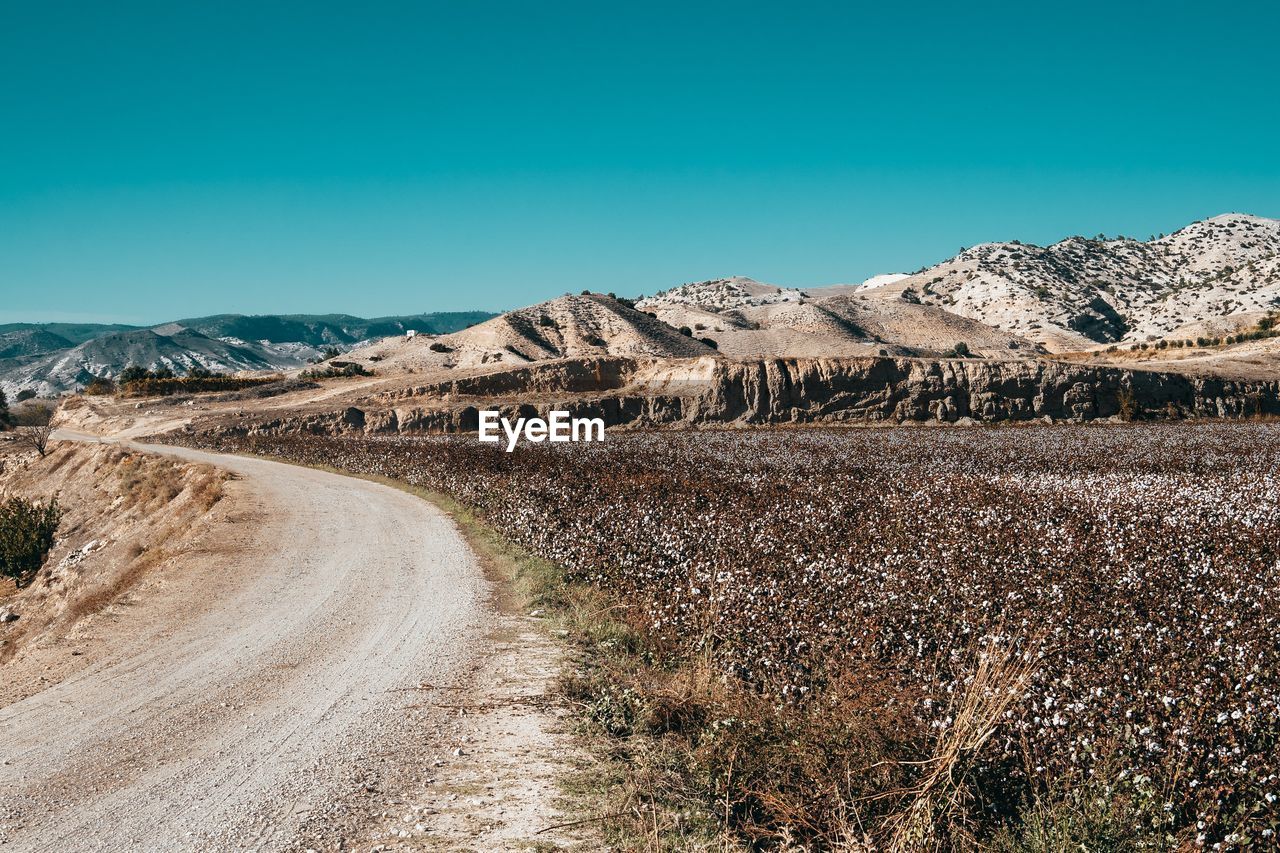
(127, 516)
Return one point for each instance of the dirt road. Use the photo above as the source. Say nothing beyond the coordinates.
(268, 716)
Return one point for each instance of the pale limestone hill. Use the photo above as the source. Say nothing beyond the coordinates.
(722, 294)
(569, 327)
(815, 325)
(1080, 292)
(925, 329)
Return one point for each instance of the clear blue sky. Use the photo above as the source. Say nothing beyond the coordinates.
(169, 159)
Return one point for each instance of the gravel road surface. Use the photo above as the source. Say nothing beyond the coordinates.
(266, 716)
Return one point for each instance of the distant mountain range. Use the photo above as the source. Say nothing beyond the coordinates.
(997, 300)
(50, 358)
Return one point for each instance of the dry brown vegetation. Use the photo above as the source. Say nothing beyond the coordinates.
(126, 515)
(1016, 639)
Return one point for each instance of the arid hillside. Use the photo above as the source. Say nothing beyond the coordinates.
(127, 518)
(1083, 291)
(569, 327)
(1076, 294)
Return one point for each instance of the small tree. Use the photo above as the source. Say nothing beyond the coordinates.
(27, 529)
(101, 386)
(5, 418)
(35, 427)
(133, 373)
(962, 349)
(1128, 404)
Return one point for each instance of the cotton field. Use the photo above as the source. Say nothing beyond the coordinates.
(1137, 565)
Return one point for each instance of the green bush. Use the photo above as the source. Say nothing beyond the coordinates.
(26, 536)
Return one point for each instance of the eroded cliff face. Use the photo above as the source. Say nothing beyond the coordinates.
(916, 390)
(793, 391)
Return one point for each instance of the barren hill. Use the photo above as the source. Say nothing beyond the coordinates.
(569, 327)
(751, 320)
(1080, 292)
(1073, 295)
(925, 329)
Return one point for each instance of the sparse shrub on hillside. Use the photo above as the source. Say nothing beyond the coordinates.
(711, 342)
(686, 331)
(326, 354)
(24, 395)
(546, 321)
(135, 373)
(440, 346)
(27, 531)
(137, 382)
(336, 370)
(100, 386)
(5, 418)
(960, 350)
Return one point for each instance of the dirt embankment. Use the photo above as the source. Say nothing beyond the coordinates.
(128, 518)
(627, 392)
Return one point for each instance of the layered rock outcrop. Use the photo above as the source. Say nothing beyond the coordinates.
(625, 392)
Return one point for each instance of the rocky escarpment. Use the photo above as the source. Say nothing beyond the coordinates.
(946, 390)
(797, 391)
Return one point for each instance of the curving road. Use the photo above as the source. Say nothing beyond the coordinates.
(265, 717)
